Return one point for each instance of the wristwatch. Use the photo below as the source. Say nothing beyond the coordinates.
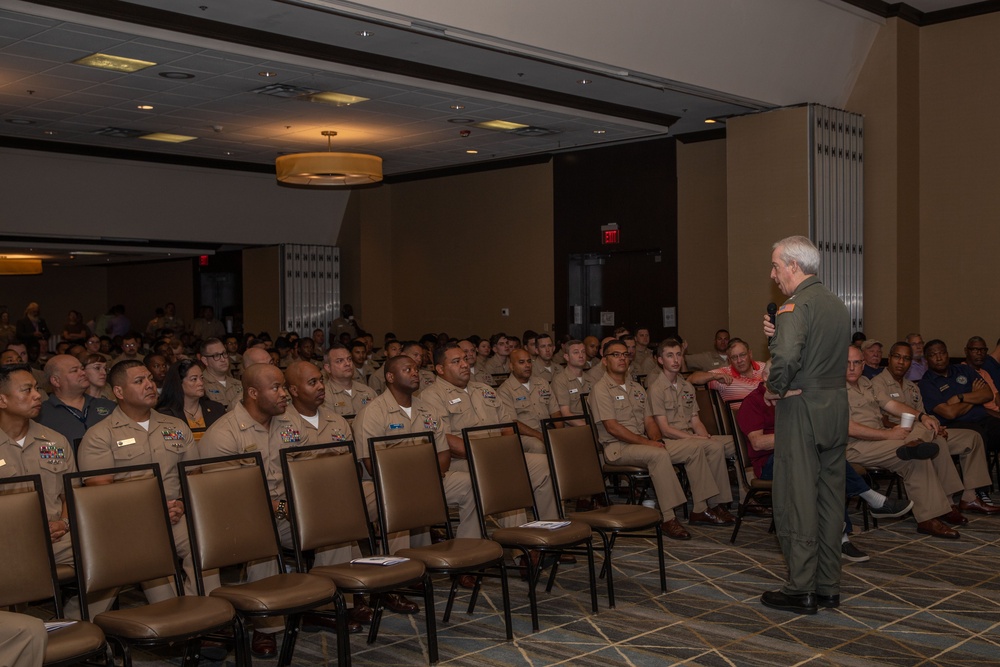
(282, 511)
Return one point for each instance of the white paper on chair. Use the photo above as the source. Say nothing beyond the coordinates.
(52, 626)
(547, 525)
(379, 560)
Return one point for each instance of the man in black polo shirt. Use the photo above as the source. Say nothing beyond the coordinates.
(69, 410)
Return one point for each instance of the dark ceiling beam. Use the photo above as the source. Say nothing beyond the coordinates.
(912, 15)
(202, 27)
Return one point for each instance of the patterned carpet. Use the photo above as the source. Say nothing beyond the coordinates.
(919, 601)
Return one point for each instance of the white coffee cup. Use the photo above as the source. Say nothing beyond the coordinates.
(906, 421)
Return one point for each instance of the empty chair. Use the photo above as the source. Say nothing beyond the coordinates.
(121, 536)
(28, 571)
(318, 477)
(576, 472)
(410, 495)
(501, 484)
(231, 522)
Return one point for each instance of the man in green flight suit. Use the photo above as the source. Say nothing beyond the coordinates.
(810, 336)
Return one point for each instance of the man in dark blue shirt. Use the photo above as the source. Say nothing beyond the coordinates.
(956, 394)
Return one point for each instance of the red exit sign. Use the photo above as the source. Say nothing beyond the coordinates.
(610, 234)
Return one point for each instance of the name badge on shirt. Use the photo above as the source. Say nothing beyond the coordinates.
(454, 401)
(619, 398)
(893, 395)
(395, 427)
(521, 398)
(574, 391)
(127, 441)
(172, 434)
(3, 462)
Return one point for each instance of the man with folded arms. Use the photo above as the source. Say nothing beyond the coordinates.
(685, 438)
(735, 381)
(318, 424)
(629, 435)
(974, 483)
(905, 451)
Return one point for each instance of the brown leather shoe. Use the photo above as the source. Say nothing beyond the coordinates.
(954, 517)
(399, 604)
(317, 623)
(467, 581)
(935, 528)
(706, 518)
(978, 507)
(263, 645)
(722, 513)
(361, 612)
(674, 530)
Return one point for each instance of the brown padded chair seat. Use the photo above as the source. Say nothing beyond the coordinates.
(351, 577)
(542, 537)
(80, 638)
(617, 517)
(65, 574)
(188, 615)
(761, 483)
(288, 591)
(455, 554)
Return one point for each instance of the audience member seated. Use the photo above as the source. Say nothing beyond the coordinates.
(715, 358)
(542, 364)
(32, 326)
(344, 394)
(183, 397)
(736, 380)
(529, 398)
(220, 386)
(919, 365)
(69, 409)
(872, 351)
(571, 385)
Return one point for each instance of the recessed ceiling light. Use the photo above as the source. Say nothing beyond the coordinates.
(583, 81)
(461, 121)
(711, 120)
(114, 63)
(145, 107)
(20, 121)
(500, 125)
(456, 107)
(268, 74)
(176, 75)
(336, 99)
(50, 132)
(364, 33)
(471, 152)
(600, 131)
(167, 137)
(229, 152)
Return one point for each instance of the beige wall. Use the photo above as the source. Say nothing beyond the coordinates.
(261, 290)
(702, 262)
(57, 290)
(448, 253)
(145, 287)
(767, 186)
(959, 193)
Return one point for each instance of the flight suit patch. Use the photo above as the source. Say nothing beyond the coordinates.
(787, 308)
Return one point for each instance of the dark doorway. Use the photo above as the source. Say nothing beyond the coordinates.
(608, 290)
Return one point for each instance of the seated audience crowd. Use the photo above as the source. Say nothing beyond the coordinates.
(177, 391)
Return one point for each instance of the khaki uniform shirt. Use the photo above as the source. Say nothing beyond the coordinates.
(476, 405)
(45, 453)
(332, 427)
(228, 394)
(384, 416)
(706, 361)
(236, 432)
(547, 373)
(675, 401)
(377, 380)
(887, 389)
(529, 405)
(645, 364)
(569, 390)
(117, 442)
(342, 403)
(866, 410)
(627, 405)
(483, 377)
(427, 378)
(496, 365)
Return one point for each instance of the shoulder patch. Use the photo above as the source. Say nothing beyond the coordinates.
(786, 308)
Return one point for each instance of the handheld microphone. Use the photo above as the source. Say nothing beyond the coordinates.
(772, 310)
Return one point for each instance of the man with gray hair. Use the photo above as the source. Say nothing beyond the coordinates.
(809, 341)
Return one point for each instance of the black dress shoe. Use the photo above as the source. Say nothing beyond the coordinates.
(399, 604)
(263, 645)
(317, 623)
(828, 601)
(917, 450)
(799, 604)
